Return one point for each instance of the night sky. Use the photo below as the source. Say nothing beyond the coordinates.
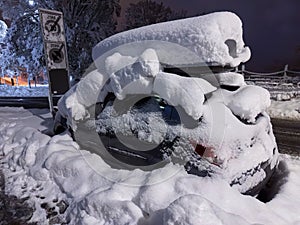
(271, 27)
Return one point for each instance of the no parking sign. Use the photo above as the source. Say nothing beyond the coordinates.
(56, 55)
(56, 52)
(53, 26)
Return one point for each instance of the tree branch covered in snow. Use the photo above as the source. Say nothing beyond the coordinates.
(85, 24)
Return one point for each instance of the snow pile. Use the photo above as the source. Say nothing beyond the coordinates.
(194, 209)
(249, 101)
(181, 91)
(50, 170)
(134, 76)
(214, 38)
(285, 109)
(23, 91)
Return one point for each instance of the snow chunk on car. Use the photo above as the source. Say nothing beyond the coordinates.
(249, 101)
(186, 92)
(215, 39)
(132, 75)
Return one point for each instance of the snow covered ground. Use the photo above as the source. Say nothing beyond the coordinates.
(285, 109)
(23, 91)
(67, 184)
(81, 188)
(289, 109)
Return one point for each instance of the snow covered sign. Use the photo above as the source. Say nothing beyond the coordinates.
(52, 24)
(56, 52)
(54, 39)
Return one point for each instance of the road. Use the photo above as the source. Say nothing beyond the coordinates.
(26, 102)
(287, 133)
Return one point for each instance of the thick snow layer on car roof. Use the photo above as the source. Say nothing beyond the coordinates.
(215, 38)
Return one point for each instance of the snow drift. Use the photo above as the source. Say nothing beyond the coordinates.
(49, 170)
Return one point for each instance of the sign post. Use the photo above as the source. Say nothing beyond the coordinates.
(55, 49)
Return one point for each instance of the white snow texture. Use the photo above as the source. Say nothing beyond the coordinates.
(126, 72)
(97, 194)
(233, 124)
(215, 38)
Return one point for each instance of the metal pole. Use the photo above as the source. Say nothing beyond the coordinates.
(243, 69)
(285, 72)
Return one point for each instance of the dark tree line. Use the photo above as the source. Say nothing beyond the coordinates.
(148, 12)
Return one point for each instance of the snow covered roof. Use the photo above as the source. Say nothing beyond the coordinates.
(215, 38)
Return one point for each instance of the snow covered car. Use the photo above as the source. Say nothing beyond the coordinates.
(164, 93)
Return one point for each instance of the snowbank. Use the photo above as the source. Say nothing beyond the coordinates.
(50, 170)
(285, 109)
(23, 91)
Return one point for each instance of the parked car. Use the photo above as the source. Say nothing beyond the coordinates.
(156, 96)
